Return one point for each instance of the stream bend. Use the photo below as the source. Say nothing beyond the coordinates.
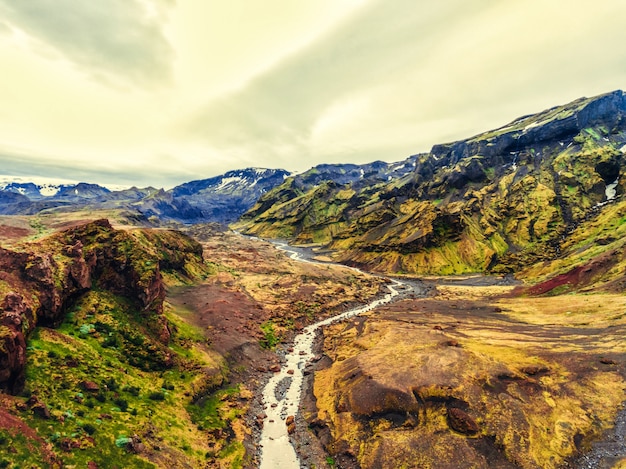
(281, 395)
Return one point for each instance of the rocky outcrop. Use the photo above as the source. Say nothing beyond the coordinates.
(448, 384)
(553, 125)
(40, 281)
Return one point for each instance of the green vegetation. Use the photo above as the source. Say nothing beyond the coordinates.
(109, 383)
(270, 337)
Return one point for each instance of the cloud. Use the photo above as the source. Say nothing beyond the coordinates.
(392, 81)
(119, 39)
(28, 164)
(285, 107)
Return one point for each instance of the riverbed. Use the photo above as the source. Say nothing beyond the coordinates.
(282, 393)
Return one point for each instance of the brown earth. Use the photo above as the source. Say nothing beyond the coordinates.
(11, 233)
(14, 426)
(471, 378)
(255, 285)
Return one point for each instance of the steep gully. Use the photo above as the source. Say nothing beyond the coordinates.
(282, 393)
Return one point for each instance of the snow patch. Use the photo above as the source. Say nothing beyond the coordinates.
(48, 190)
(531, 126)
(611, 190)
(228, 181)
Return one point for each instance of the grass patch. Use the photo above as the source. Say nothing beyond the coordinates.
(270, 337)
(144, 388)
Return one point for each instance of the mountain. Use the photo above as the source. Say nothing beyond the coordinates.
(31, 190)
(224, 198)
(496, 202)
(37, 196)
(219, 199)
(319, 177)
(13, 202)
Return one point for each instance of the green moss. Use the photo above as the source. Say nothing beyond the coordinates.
(270, 337)
(59, 361)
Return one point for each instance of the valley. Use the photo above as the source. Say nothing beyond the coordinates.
(461, 308)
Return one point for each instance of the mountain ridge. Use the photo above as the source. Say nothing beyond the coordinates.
(490, 203)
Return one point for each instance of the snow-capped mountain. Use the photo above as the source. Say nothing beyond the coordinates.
(221, 198)
(234, 182)
(34, 188)
(39, 188)
(224, 198)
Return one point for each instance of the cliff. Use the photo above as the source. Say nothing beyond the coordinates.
(39, 281)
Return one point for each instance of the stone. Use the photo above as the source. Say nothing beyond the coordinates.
(461, 422)
(607, 361)
(89, 386)
(41, 410)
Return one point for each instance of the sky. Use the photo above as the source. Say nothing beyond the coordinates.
(159, 92)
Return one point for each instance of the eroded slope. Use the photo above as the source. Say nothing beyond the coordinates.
(495, 202)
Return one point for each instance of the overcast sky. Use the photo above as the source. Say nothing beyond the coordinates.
(164, 91)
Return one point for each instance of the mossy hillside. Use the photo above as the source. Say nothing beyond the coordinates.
(516, 191)
(146, 251)
(534, 394)
(146, 389)
(595, 248)
(310, 217)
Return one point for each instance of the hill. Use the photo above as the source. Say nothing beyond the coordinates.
(496, 202)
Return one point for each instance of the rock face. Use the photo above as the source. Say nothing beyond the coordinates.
(41, 280)
(495, 202)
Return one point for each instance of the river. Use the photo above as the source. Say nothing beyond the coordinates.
(281, 395)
